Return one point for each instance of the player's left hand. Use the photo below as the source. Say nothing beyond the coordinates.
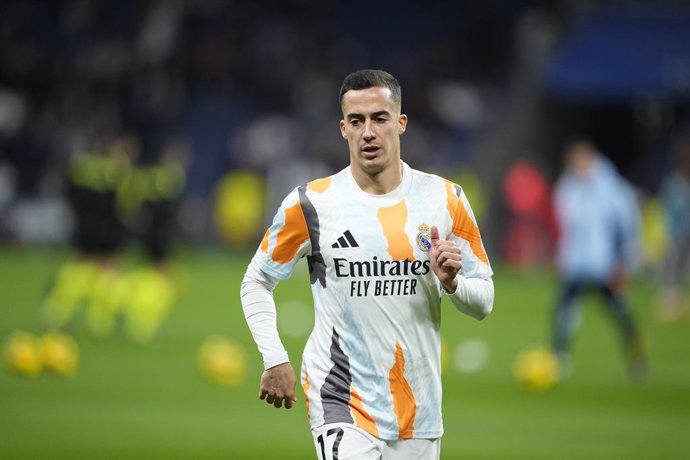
(446, 260)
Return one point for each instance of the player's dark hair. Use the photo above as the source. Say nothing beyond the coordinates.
(370, 78)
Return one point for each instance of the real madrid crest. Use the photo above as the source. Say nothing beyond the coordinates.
(424, 238)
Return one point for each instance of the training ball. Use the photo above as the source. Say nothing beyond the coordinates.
(222, 361)
(22, 354)
(536, 369)
(60, 353)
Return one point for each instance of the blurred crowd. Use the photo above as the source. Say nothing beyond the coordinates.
(240, 84)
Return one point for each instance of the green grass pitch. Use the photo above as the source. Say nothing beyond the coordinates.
(131, 402)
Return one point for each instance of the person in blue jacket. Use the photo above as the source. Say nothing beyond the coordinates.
(599, 225)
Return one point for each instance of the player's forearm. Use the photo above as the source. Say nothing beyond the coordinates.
(474, 296)
(256, 293)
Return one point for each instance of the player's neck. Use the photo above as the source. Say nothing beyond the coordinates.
(382, 182)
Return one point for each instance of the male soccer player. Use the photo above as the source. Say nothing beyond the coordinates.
(383, 242)
(598, 220)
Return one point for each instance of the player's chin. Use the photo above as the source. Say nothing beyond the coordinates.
(372, 166)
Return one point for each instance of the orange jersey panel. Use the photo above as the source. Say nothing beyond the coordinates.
(291, 236)
(404, 403)
(320, 185)
(305, 388)
(362, 418)
(463, 225)
(393, 220)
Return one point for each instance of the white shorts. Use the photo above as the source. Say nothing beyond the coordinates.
(344, 441)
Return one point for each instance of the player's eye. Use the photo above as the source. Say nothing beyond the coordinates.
(354, 122)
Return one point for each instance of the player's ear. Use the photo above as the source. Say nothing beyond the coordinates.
(342, 129)
(402, 123)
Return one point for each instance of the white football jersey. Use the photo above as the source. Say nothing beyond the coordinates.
(373, 358)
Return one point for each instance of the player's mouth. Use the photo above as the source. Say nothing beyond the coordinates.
(370, 151)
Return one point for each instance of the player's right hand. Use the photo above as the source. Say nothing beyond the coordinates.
(278, 386)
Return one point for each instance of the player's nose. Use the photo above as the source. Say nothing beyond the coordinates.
(368, 131)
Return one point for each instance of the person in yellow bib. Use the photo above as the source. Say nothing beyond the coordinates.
(383, 243)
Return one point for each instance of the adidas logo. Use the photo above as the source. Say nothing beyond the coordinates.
(346, 241)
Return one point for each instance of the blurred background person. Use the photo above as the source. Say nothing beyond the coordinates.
(149, 199)
(598, 220)
(674, 194)
(92, 276)
(530, 232)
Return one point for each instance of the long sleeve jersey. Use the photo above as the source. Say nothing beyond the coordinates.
(373, 357)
